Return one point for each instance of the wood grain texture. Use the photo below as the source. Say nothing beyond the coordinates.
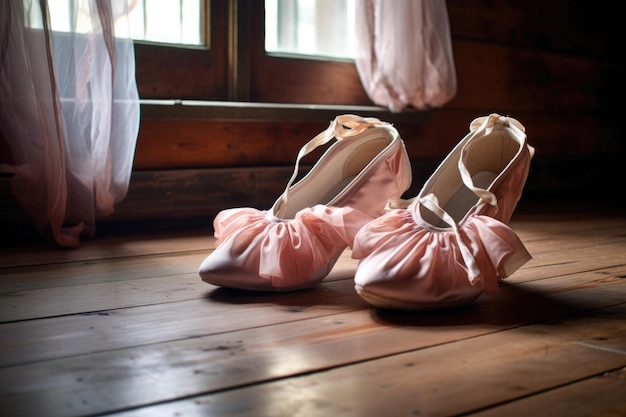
(552, 65)
(124, 326)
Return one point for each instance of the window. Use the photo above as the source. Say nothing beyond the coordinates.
(285, 51)
(314, 28)
(168, 21)
(319, 28)
(233, 64)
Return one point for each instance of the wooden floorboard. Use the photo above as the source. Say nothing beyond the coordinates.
(124, 326)
(602, 395)
(440, 380)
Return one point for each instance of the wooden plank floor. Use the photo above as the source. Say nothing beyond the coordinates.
(124, 326)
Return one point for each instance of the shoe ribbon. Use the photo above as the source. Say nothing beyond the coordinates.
(481, 125)
(488, 122)
(431, 203)
(342, 127)
(485, 125)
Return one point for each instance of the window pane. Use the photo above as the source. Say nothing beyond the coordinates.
(310, 27)
(169, 21)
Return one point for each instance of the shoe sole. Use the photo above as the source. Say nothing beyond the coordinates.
(390, 303)
(266, 285)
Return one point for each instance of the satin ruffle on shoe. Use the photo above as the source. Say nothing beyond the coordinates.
(295, 244)
(451, 243)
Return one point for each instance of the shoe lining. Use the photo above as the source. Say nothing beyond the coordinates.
(355, 164)
(461, 201)
(336, 189)
(339, 169)
(490, 155)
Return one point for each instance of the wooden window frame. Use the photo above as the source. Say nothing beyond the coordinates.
(236, 68)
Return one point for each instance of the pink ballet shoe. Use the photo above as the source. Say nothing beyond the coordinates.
(294, 244)
(451, 243)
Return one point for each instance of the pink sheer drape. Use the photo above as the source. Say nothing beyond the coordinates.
(404, 53)
(69, 112)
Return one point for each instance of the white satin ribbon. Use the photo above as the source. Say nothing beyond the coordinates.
(342, 127)
(431, 203)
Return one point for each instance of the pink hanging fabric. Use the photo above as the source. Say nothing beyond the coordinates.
(404, 53)
(69, 111)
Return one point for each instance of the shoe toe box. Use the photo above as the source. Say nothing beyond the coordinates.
(219, 270)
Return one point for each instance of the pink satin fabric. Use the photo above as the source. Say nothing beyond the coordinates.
(267, 251)
(286, 253)
(424, 263)
(407, 262)
(389, 178)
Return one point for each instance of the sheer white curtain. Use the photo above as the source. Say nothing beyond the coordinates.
(69, 111)
(404, 53)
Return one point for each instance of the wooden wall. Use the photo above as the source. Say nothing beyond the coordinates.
(554, 65)
(550, 64)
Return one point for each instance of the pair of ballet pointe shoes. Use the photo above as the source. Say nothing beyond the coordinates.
(441, 249)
